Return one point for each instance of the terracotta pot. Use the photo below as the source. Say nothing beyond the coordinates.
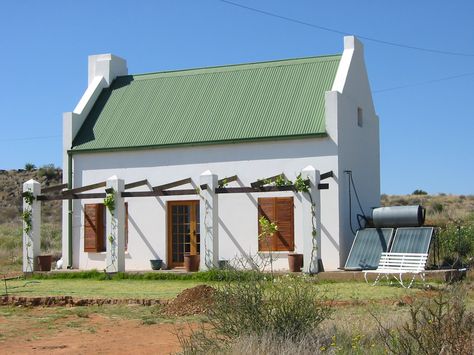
(191, 262)
(44, 262)
(295, 262)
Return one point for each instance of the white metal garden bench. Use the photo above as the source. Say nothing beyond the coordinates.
(397, 264)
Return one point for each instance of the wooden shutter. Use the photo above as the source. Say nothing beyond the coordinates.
(284, 238)
(266, 208)
(94, 227)
(277, 210)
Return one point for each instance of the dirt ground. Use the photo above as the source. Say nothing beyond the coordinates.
(49, 325)
(96, 334)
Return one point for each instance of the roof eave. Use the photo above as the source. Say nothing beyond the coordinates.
(192, 144)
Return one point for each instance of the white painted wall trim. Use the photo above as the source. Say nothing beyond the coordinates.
(352, 46)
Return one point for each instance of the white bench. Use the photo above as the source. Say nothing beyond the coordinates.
(398, 264)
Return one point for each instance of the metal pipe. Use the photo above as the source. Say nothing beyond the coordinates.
(70, 210)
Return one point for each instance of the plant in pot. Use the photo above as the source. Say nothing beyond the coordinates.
(191, 262)
(156, 264)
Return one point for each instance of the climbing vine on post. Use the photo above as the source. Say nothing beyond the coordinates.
(27, 217)
(304, 185)
(109, 203)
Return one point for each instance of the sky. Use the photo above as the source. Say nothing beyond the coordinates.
(419, 56)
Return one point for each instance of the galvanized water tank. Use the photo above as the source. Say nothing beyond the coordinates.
(399, 216)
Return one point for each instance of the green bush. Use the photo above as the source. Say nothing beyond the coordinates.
(454, 240)
(286, 308)
(439, 325)
(30, 166)
(419, 192)
(49, 171)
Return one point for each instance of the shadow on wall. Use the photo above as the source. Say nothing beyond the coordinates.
(235, 242)
(142, 236)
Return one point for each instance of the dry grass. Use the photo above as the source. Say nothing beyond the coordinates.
(440, 209)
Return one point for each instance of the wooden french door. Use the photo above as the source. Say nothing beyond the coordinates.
(183, 231)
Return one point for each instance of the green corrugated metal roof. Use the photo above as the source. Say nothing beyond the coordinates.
(266, 100)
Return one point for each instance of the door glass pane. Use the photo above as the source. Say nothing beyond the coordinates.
(180, 232)
(183, 238)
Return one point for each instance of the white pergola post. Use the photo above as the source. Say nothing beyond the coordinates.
(209, 222)
(31, 226)
(115, 227)
(310, 223)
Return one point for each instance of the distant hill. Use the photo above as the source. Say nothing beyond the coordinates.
(440, 209)
(11, 187)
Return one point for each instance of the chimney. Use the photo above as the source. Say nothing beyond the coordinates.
(108, 66)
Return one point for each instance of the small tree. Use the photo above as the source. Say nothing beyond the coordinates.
(268, 229)
(49, 171)
(30, 166)
(419, 192)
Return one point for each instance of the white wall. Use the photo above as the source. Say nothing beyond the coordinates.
(238, 224)
(358, 147)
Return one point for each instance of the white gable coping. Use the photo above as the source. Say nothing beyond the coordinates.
(352, 47)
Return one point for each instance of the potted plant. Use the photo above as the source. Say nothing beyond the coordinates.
(295, 262)
(44, 262)
(156, 264)
(191, 262)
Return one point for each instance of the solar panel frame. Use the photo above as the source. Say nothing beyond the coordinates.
(412, 240)
(368, 258)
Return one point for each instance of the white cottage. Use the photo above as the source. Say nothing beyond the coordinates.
(184, 152)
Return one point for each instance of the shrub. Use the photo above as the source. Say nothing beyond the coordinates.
(419, 192)
(457, 240)
(437, 207)
(30, 166)
(440, 325)
(49, 171)
(286, 308)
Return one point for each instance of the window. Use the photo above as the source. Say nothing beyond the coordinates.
(360, 117)
(278, 210)
(94, 227)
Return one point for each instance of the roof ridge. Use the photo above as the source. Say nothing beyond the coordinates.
(229, 66)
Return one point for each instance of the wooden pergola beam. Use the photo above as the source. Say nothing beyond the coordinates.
(71, 196)
(233, 190)
(53, 188)
(172, 184)
(262, 182)
(246, 189)
(227, 180)
(136, 184)
(160, 193)
(84, 188)
(327, 175)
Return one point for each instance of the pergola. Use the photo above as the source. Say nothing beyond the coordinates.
(208, 189)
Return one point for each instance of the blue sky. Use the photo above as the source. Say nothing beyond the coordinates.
(426, 130)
